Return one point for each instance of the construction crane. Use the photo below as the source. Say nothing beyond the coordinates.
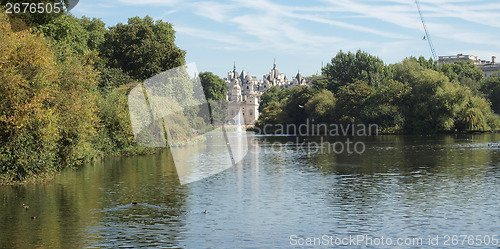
(427, 36)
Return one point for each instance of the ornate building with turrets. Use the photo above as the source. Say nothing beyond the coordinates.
(244, 91)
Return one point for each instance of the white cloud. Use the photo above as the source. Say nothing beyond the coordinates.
(227, 41)
(390, 29)
(274, 26)
(216, 11)
(486, 15)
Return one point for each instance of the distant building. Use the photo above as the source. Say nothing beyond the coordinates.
(459, 57)
(488, 67)
(244, 91)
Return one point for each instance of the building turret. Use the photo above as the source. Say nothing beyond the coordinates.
(298, 80)
(235, 93)
(244, 91)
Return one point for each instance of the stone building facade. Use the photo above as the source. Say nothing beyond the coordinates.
(244, 91)
(488, 67)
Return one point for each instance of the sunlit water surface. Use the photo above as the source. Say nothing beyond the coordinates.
(400, 187)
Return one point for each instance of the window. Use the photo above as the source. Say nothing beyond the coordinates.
(248, 87)
(250, 113)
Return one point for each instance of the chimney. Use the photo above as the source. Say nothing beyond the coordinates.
(493, 59)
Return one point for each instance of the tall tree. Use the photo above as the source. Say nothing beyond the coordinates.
(48, 107)
(295, 102)
(321, 106)
(72, 35)
(491, 87)
(273, 94)
(213, 86)
(346, 68)
(36, 12)
(352, 100)
(462, 69)
(384, 107)
(215, 89)
(143, 47)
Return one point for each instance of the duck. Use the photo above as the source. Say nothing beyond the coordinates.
(26, 207)
(205, 212)
(134, 203)
(33, 217)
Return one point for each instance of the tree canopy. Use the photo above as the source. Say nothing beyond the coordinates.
(142, 48)
(63, 93)
(346, 68)
(48, 108)
(40, 16)
(413, 96)
(213, 86)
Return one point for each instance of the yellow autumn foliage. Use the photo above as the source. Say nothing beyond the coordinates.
(47, 107)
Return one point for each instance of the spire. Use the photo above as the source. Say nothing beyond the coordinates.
(234, 67)
(242, 75)
(274, 67)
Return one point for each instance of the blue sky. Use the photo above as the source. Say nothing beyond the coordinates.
(301, 35)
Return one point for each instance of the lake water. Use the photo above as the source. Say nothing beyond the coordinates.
(408, 189)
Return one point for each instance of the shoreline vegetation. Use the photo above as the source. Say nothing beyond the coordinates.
(64, 83)
(415, 96)
(63, 89)
(279, 132)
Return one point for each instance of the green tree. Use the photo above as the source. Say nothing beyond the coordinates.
(465, 72)
(110, 78)
(213, 86)
(271, 114)
(215, 89)
(477, 116)
(491, 88)
(48, 107)
(321, 106)
(433, 102)
(384, 107)
(284, 106)
(427, 64)
(34, 18)
(462, 69)
(83, 37)
(142, 48)
(346, 68)
(293, 108)
(115, 135)
(78, 108)
(71, 36)
(28, 83)
(318, 82)
(273, 94)
(352, 100)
